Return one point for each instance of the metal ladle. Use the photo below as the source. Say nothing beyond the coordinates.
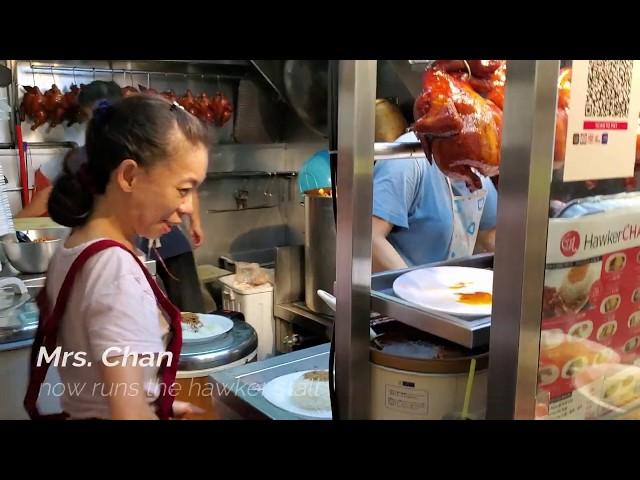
(331, 301)
(22, 237)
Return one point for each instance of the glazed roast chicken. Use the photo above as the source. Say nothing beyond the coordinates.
(170, 95)
(204, 108)
(71, 105)
(216, 109)
(486, 77)
(458, 118)
(32, 106)
(56, 107)
(562, 117)
(147, 90)
(128, 91)
(188, 102)
(458, 127)
(222, 109)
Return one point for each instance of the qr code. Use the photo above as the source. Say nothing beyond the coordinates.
(608, 88)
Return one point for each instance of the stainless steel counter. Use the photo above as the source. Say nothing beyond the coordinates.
(21, 331)
(35, 281)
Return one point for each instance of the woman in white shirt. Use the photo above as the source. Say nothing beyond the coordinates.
(146, 157)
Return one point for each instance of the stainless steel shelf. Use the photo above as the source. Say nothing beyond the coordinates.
(289, 311)
(250, 174)
(58, 69)
(50, 144)
(395, 150)
(229, 210)
(468, 333)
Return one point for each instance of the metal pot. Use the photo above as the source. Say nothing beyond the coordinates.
(319, 250)
(34, 256)
(390, 123)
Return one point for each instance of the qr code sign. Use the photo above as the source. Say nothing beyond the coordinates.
(608, 88)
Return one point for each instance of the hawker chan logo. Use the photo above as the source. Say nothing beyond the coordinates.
(570, 243)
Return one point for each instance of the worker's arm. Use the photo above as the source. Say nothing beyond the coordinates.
(384, 255)
(486, 241)
(38, 205)
(197, 237)
(124, 386)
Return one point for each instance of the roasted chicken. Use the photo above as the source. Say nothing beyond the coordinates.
(147, 90)
(71, 105)
(222, 109)
(54, 105)
(458, 117)
(188, 102)
(630, 183)
(170, 95)
(562, 117)
(457, 127)
(128, 91)
(486, 77)
(204, 108)
(32, 107)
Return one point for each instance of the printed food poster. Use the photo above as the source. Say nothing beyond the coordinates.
(590, 338)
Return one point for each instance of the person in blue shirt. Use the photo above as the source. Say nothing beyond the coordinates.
(421, 217)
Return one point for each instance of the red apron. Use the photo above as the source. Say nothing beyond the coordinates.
(48, 326)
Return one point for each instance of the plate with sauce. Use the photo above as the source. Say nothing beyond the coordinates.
(460, 291)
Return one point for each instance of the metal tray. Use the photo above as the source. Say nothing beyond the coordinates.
(468, 333)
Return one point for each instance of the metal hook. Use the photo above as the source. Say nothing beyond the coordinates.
(112, 74)
(33, 73)
(94, 74)
(29, 157)
(148, 81)
(73, 72)
(468, 67)
(52, 75)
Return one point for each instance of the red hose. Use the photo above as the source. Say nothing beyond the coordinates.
(24, 176)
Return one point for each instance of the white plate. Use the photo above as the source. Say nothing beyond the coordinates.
(619, 380)
(213, 326)
(436, 289)
(279, 391)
